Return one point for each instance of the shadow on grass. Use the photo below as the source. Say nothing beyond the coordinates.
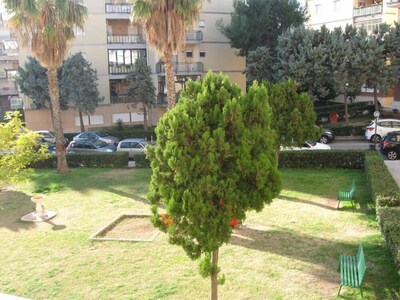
(13, 206)
(294, 199)
(381, 278)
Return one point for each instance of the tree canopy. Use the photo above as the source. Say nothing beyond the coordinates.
(215, 160)
(19, 148)
(141, 87)
(258, 23)
(78, 85)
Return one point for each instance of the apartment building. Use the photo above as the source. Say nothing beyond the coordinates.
(112, 44)
(9, 98)
(367, 13)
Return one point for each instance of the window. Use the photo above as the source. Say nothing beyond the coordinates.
(202, 23)
(124, 57)
(202, 53)
(317, 9)
(189, 54)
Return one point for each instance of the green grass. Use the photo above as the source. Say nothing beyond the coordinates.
(289, 250)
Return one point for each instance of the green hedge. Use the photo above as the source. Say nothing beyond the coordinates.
(348, 130)
(141, 161)
(356, 108)
(95, 160)
(322, 159)
(385, 190)
(389, 223)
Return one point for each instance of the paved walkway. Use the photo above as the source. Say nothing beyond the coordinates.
(394, 168)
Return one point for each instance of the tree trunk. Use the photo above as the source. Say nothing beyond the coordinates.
(81, 121)
(62, 166)
(346, 108)
(214, 277)
(376, 99)
(52, 115)
(170, 77)
(145, 115)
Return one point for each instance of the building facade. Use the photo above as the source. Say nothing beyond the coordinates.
(111, 43)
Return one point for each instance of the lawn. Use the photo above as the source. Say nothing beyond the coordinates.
(289, 250)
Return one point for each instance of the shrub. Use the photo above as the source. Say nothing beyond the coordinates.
(141, 161)
(348, 130)
(389, 223)
(322, 159)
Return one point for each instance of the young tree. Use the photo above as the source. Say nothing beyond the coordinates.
(258, 23)
(78, 85)
(214, 160)
(259, 66)
(165, 23)
(46, 27)
(18, 149)
(294, 116)
(141, 87)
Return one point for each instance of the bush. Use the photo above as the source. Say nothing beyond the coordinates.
(385, 190)
(141, 161)
(348, 130)
(389, 223)
(322, 159)
(95, 160)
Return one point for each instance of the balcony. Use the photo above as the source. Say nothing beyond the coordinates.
(393, 3)
(182, 68)
(194, 37)
(367, 11)
(118, 11)
(120, 70)
(126, 39)
(121, 98)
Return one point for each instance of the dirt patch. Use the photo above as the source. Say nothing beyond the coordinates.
(128, 228)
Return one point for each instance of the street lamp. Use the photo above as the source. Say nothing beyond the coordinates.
(376, 116)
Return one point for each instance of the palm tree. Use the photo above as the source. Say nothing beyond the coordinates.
(45, 27)
(165, 23)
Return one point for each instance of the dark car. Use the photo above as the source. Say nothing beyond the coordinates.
(94, 136)
(88, 146)
(390, 145)
(327, 136)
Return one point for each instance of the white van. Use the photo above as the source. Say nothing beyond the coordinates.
(132, 146)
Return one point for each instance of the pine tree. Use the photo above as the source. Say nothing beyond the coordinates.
(215, 161)
(78, 85)
(141, 87)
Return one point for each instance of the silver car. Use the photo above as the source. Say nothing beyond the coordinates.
(94, 136)
(50, 137)
(88, 146)
(132, 146)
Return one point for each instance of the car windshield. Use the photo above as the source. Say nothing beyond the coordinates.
(100, 143)
(102, 134)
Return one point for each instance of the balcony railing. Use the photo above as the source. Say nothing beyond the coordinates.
(367, 11)
(194, 36)
(121, 8)
(186, 68)
(121, 98)
(117, 70)
(126, 39)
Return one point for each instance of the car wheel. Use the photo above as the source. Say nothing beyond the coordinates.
(375, 138)
(324, 140)
(392, 155)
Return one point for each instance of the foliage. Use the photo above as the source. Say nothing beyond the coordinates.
(259, 64)
(384, 188)
(348, 130)
(354, 109)
(165, 23)
(345, 159)
(51, 188)
(260, 22)
(140, 86)
(78, 84)
(45, 27)
(32, 82)
(390, 227)
(214, 158)
(294, 117)
(141, 161)
(18, 148)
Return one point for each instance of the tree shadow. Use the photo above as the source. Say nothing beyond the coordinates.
(319, 251)
(293, 199)
(131, 196)
(13, 206)
(55, 226)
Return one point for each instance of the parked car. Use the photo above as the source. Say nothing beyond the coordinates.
(383, 127)
(309, 146)
(327, 136)
(50, 136)
(90, 146)
(132, 146)
(93, 136)
(390, 145)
